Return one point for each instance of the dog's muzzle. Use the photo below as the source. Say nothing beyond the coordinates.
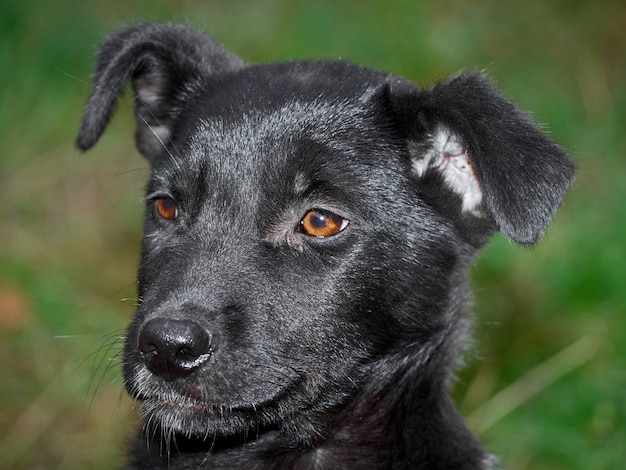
(173, 348)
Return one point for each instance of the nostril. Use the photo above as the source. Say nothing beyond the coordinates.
(173, 348)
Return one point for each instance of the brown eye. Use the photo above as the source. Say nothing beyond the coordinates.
(321, 223)
(166, 207)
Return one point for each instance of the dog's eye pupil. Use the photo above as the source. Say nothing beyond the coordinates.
(166, 207)
(321, 223)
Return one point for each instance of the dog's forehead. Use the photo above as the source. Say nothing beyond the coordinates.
(289, 146)
(280, 97)
(273, 129)
(263, 115)
(261, 130)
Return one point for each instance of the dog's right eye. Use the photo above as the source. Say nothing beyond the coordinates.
(166, 207)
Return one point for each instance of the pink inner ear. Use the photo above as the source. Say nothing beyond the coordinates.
(448, 156)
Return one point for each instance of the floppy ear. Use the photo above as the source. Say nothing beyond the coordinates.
(166, 63)
(484, 149)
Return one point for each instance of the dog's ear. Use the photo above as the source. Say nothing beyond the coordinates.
(165, 63)
(481, 147)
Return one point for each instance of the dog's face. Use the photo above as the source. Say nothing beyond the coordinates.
(290, 233)
(308, 225)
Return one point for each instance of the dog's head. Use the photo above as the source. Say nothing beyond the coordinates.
(308, 223)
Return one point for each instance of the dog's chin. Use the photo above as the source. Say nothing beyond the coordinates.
(186, 415)
(191, 418)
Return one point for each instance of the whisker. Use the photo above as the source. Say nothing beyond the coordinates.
(105, 360)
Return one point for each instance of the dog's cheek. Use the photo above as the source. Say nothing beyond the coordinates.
(400, 300)
(333, 324)
(337, 304)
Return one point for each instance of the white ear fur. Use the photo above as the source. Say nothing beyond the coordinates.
(448, 156)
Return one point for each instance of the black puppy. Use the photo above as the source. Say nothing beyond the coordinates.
(309, 224)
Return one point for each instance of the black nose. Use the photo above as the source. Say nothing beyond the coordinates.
(173, 348)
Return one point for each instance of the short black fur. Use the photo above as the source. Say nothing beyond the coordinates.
(258, 341)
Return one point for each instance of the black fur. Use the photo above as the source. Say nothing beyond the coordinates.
(257, 344)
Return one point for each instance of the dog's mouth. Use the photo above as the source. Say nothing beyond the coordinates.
(187, 413)
(183, 405)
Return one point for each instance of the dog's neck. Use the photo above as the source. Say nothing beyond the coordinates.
(370, 431)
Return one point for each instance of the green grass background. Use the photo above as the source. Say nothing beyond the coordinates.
(545, 383)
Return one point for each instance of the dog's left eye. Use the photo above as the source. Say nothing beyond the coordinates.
(166, 207)
(322, 223)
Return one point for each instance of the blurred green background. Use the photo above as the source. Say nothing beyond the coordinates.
(545, 382)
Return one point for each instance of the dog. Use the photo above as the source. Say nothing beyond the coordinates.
(303, 294)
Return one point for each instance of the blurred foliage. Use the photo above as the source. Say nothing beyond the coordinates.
(545, 380)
